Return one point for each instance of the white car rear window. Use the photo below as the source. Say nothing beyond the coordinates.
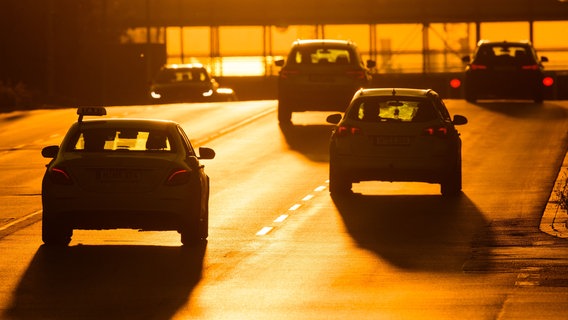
(127, 139)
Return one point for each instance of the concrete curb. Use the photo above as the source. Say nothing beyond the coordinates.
(555, 218)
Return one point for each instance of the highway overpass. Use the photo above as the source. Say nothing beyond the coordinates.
(71, 52)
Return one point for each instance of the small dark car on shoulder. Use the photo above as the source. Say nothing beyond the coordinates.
(187, 83)
(504, 70)
(320, 75)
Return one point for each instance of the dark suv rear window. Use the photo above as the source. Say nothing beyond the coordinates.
(322, 55)
(504, 54)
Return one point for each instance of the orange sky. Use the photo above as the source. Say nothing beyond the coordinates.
(247, 41)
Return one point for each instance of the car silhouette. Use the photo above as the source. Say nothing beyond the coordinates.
(504, 70)
(187, 83)
(125, 173)
(320, 75)
(395, 134)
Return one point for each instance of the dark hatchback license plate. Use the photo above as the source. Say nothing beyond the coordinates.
(392, 140)
(117, 175)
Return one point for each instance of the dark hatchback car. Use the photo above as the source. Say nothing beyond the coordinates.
(320, 75)
(396, 135)
(187, 83)
(504, 70)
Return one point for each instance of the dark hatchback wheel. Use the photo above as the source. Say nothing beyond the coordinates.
(284, 113)
(339, 182)
(451, 186)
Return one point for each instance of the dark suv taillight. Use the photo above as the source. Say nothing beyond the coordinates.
(475, 66)
(530, 67)
(286, 73)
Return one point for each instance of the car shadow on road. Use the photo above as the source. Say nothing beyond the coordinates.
(525, 109)
(310, 140)
(416, 232)
(107, 282)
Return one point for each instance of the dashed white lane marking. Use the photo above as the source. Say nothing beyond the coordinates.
(295, 207)
(283, 217)
(264, 231)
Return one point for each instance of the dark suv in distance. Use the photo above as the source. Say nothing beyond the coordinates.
(320, 75)
(504, 70)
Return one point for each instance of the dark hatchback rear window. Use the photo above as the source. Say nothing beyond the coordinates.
(388, 109)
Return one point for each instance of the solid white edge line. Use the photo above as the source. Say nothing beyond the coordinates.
(8, 225)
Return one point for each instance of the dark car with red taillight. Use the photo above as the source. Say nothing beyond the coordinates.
(504, 70)
(320, 75)
(121, 173)
(395, 134)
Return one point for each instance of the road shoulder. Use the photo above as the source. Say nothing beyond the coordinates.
(555, 218)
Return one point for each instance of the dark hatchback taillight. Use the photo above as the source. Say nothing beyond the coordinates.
(59, 176)
(178, 177)
(436, 131)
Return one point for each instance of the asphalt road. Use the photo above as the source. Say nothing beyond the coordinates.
(281, 248)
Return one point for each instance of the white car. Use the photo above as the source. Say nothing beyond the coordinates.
(125, 173)
(395, 135)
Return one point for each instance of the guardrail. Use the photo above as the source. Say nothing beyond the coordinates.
(266, 87)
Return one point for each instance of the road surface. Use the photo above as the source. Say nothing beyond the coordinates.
(281, 248)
